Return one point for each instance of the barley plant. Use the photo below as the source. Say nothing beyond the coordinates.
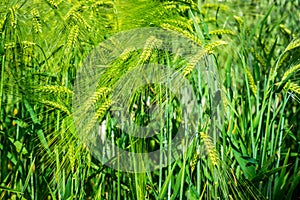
(246, 137)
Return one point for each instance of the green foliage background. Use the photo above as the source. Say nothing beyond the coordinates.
(255, 44)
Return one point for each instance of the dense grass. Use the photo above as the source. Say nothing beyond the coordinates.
(253, 153)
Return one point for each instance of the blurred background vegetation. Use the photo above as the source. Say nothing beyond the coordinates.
(255, 44)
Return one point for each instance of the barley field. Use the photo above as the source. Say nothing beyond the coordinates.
(149, 99)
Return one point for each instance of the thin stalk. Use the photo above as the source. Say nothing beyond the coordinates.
(251, 120)
(2, 79)
(119, 179)
(266, 136)
(183, 167)
(160, 145)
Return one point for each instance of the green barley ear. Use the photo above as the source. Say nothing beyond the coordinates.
(151, 44)
(98, 94)
(54, 89)
(81, 20)
(194, 161)
(71, 155)
(222, 32)
(210, 149)
(181, 7)
(53, 3)
(294, 44)
(99, 114)
(239, 20)
(125, 55)
(293, 87)
(103, 108)
(210, 20)
(251, 81)
(285, 83)
(208, 49)
(215, 6)
(193, 62)
(258, 58)
(73, 37)
(182, 32)
(211, 46)
(181, 22)
(57, 106)
(13, 17)
(285, 30)
(283, 59)
(73, 10)
(285, 78)
(289, 72)
(36, 21)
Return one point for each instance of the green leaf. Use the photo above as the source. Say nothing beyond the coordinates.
(12, 158)
(43, 140)
(9, 189)
(19, 146)
(31, 112)
(245, 164)
(21, 123)
(295, 182)
(265, 175)
(166, 183)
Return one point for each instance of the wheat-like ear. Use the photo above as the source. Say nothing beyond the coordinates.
(189, 2)
(13, 16)
(73, 13)
(169, 7)
(215, 6)
(294, 87)
(103, 108)
(182, 32)
(150, 44)
(36, 21)
(99, 93)
(194, 161)
(210, 20)
(99, 114)
(210, 149)
(222, 32)
(54, 89)
(53, 3)
(24, 44)
(193, 62)
(196, 19)
(10, 45)
(181, 22)
(181, 7)
(239, 20)
(251, 81)
(27, 44)
(258, 57)
(285, 30)
(125, 55)
(201, 54)
(283, 59)
(73, 37)
(57, 106)
(294, 44)
(211, 46)
(289, 72)
(81, 20)
(106, 4)
(71, 156)
(74, 9)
